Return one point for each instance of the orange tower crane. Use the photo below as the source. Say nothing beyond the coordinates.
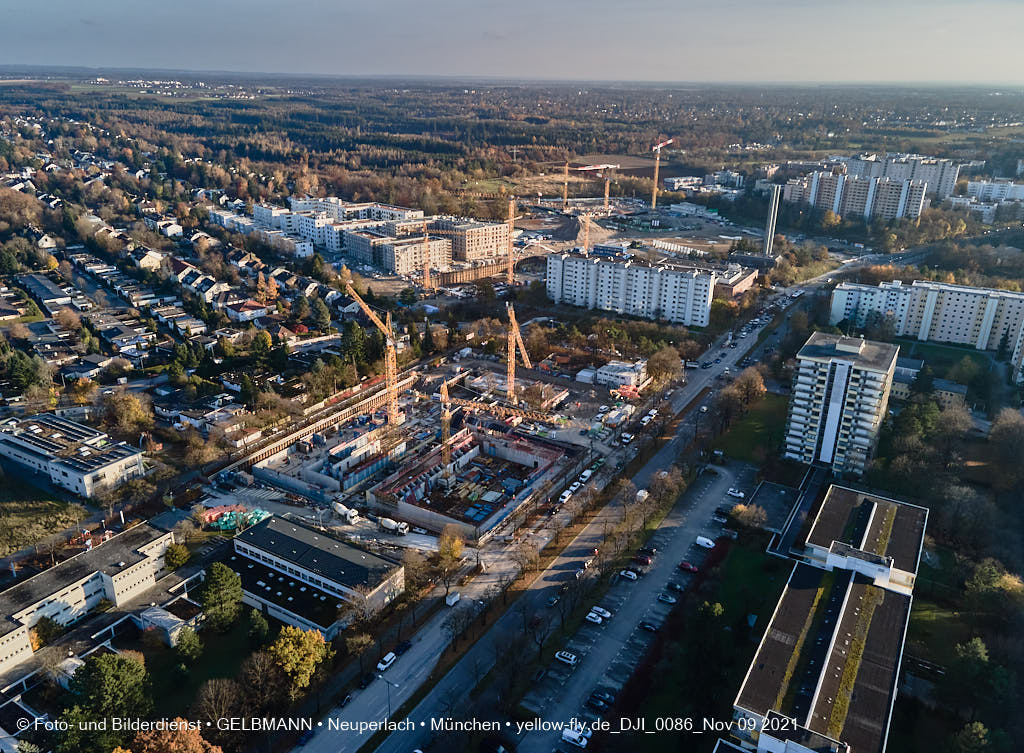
(515, 341)
(390, 353)
(657, 164)
(427, 285)
(602, 172)
(510, 272)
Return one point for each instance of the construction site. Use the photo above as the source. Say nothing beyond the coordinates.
(454, 446)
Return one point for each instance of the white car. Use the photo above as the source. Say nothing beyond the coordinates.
(387, 661)
(594, 618)
(567, 658)
(736, 493)
(627, 438)
(575, 737)
(602, 612)
(628, 574)
(705, 542)
(564, 497)
(585, 476)
(574, 486)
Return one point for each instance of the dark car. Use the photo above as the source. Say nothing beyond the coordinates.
(688, 567)
(553, 600)
(402, 647)
(345, 700)
(605, 695)
(650, 551)
(677, 587)
(650, 627)
(365, 680)
(596, 704)
(643, 559)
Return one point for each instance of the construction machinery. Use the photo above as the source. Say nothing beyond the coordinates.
(565, 188)
(602, 172)
(515, 341)
(390, 353)
(657, 164)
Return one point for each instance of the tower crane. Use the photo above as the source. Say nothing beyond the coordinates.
(657, 164)
(510, 272)
(601, 172)
(565, 188)
(427, 285)
(390, 353)
(515, 340)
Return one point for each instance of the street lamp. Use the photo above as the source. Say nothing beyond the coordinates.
(389, 685)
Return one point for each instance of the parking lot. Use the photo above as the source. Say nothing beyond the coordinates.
(607, 653)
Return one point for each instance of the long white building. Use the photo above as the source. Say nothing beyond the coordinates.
(677, 293)
(870, 197)
(958, 314)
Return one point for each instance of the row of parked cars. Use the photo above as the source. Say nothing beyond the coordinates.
(575, 486)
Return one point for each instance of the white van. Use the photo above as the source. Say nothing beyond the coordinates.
(387, 661)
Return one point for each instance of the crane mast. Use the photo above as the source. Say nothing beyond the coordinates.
(390, 353)
(657, 164)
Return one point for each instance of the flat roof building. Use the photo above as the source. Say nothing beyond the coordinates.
(73, 456)
(310, 574)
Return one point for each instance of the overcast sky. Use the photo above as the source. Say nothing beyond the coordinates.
(638, 40)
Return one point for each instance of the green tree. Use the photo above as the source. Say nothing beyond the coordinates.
(105, 686)
(177, 555)
(221, 596)
(973, 738)
(259, 628)
(300, 309)
(189, 646)
(407, 297)
(299, 653)
(321, 314)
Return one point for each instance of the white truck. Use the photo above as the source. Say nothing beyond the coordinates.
(347, 514)
(394, 526)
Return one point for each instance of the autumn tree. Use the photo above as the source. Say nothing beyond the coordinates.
(183, 739)
(126, 412)
(299, 653)
(449, 556)
(665, 364)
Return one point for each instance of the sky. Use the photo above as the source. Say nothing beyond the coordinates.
(940, 41)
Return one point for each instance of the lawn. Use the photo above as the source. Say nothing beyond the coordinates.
(935, 630)
(28, 514)
(223, 654)
(749, 584)
(758, 432)
(941, 358)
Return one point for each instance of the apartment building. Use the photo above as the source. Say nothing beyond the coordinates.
(677, 293)
(73, 456)
(405, 256)
(995, 190)
(301, 575)
(959, 314)
(117, 570)
(940, 175)
(853, 196)
(840, 396)
(472, 239)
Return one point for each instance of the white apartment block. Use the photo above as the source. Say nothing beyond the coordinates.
(940, 175)
(959, 314)
(75, 457)
(118, 570)
(853, 196)
(405, 256)
(472, 239)
(677, 293)
(840, 396)
(995, 190)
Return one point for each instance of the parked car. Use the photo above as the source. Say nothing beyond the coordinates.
(553, 600)
(650, 627)
(667, 599)
(643, 559)
(677, 587)
(596, 704)
(688, 567)
(594, 618)
(650, 551)
(387, 661)
(736, 493)
(605, 695)
(628, 574)
(567, 657)
(575, 737)
(704, 541)
(402, 647)
(602, 612)
(365, 680)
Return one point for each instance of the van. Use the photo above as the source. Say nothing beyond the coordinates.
(387, 661)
